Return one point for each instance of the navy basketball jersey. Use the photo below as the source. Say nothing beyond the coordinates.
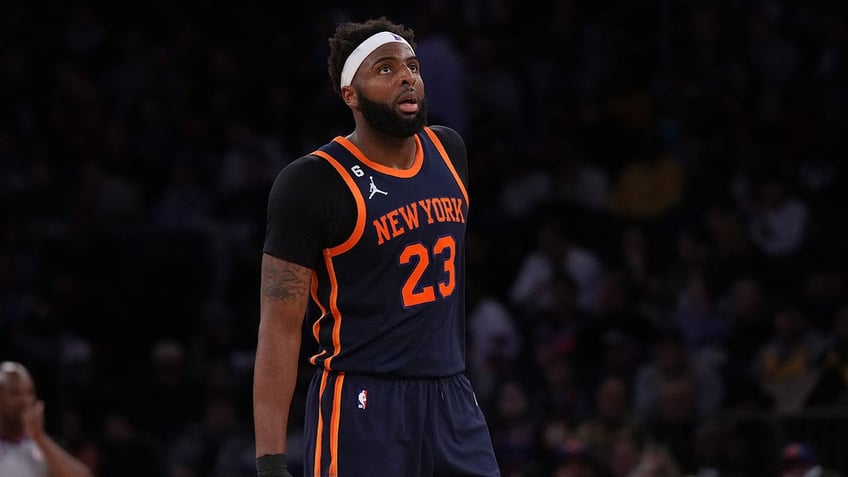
(392, 296)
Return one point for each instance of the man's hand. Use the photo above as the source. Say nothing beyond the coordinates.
(33, 420)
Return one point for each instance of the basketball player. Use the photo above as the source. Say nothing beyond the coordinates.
(372, 227)
(26, 450)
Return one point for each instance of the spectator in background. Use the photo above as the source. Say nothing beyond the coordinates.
(638, 256)
(578, 182)
(692, 258)
(787, 365)
(775, 55)
(657, 461)
(108, 202)
(611, 416)
(625, 452)
(527, 186)
(733, 253)
(446, 75)
(562, 393)
(494, 341)
(575, 459)
(171, 391)
(617, 325)
(778, 218)
(554, 431)
(746, 305)
(492, 77)
(648, 187)
(554, 251)
(676, 416)
(672, 364)
(515, 425)
(749, 326)
(218, 444)
(823, 290)
(798, 459)
(718, 450)
(128, 451)
(185, 205)
(832, 386)
(553, 332)
(26, 449)
(700, 321)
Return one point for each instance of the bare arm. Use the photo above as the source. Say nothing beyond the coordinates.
(60, 461)
(284, 290)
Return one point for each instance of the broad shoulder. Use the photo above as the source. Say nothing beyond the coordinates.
(448, 136)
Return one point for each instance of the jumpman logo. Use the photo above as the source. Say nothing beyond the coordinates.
(374, 190)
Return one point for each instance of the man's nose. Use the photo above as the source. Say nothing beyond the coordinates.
(408, 76)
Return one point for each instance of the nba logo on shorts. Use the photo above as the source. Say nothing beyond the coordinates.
(363, 399)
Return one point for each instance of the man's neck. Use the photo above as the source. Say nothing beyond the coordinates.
(393, 152)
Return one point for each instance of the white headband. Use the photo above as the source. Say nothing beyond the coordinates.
(364, 49)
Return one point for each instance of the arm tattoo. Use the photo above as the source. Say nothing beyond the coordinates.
(284, 281)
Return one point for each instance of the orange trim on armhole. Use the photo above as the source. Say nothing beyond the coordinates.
(448, 162)
(355, 236)
(360, 205)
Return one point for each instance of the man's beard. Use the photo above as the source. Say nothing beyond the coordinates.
(385, 120)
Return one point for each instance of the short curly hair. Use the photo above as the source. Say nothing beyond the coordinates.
(349, 35)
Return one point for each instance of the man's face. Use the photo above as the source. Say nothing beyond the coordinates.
(390, 91)
(17, 392)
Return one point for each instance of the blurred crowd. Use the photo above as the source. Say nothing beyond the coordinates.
(655, 241)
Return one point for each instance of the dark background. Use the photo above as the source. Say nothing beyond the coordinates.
(684, 149)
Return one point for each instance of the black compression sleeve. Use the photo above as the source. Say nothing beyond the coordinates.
(309, 208)
(455, 147)
(272, 465)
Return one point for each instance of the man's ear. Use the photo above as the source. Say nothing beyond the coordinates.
(349, 96)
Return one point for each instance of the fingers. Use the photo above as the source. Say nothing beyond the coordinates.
(33, 419)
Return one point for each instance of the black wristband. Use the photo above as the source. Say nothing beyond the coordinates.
(271, 465)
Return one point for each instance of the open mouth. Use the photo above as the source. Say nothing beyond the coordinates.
(408, 103)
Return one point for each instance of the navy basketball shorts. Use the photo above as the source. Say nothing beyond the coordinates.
(367, 426)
